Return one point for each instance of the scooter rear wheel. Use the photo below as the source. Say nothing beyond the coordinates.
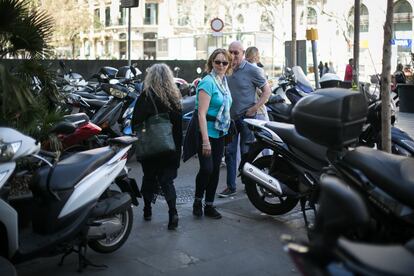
(264, 200)
(111, 244)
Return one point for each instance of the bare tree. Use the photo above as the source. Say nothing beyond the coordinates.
(386, 79)
(70, 20)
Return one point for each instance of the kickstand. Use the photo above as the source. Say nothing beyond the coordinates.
(67, 253)
(83, 261)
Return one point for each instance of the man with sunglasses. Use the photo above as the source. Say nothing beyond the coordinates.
(242, 83)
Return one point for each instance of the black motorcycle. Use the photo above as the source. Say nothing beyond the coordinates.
(330, 253)
(326, 128)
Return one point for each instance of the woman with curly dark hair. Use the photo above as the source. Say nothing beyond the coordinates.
(159, 88)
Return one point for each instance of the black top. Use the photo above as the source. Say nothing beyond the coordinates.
(143, 109)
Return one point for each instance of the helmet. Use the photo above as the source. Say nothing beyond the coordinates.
(330, 80)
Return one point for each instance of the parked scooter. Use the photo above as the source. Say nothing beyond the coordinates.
(293, 85)
(329, 253)
(83, 200)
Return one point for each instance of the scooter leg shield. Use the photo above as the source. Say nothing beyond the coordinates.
(129, 185)
(112, 205)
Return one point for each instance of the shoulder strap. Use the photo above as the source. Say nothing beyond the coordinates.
(149, 93)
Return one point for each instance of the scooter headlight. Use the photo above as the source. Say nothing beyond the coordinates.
(8, 150)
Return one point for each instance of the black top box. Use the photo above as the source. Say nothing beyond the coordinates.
(331, 117)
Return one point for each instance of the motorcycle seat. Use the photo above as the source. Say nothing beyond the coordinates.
(392, 173)
(63, 128)
(68, 172)
(123, 140)
(378, 259)
(280, 112)
(76, 118)
(289, 134)
(94, 103)
(88, 95)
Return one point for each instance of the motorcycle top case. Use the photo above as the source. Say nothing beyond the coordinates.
(331, 117)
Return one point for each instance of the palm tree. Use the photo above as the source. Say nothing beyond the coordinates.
(25, 34)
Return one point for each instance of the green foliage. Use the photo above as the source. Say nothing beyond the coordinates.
(26, 33)
(22, 31)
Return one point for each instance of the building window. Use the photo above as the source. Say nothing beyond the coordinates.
(163, 45)
(402, 31)
(364, 20)
(150, 45)
(107, 16)
(122, 16)
(183, 18)
(96, 18)
(266, 22)
(150, 35)
(150, 50)
(402, 16)
(312, 18)
(151, 14)
(122, 50)
(240, 19)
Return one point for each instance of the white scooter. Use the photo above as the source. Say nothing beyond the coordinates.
(83, 200)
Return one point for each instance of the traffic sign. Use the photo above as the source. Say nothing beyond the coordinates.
(216, 24)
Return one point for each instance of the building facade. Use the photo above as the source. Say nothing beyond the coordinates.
(180, 29)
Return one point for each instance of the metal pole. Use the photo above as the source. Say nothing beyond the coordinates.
(315, 64)
(355, 71)
(129, 36)
(293, 53)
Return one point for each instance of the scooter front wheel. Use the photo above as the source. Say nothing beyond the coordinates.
(114, 241)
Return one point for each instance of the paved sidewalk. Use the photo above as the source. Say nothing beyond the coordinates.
(405, 121)
(243, 242)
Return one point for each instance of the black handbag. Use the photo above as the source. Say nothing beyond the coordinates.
(154, 135)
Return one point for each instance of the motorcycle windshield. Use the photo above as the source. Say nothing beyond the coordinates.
(302, 82)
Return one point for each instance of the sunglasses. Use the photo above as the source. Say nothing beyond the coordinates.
(218, 62)
(236, 53)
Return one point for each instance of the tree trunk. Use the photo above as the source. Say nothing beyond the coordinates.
(355, 71)
(293, 53)
(385, 80)
(73, 47)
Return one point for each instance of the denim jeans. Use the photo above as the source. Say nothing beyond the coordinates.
(208, 175)
(246, 137)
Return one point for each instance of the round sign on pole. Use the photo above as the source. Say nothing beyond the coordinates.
(217, 24)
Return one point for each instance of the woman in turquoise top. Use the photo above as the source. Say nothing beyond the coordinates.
(213, 103)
